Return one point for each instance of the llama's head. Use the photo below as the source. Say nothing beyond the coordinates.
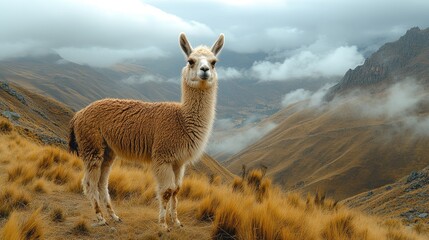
(200, 70)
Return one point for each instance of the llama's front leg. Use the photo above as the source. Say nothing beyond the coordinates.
(165, 176)
(178, 173)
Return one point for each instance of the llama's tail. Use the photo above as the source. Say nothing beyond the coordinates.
(73, 148)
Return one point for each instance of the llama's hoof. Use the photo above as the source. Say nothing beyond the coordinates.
(178, 224)
(100, 222)
(116, 218)
(165, 227)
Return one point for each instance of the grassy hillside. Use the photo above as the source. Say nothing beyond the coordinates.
(406, 198)
(335, 150)
(42, 118)
(40, 198)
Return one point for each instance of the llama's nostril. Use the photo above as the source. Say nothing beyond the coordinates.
(204, 68)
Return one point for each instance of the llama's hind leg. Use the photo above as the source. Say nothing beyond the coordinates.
(90, 185)
(106, 166)
(165, 176)
(179, 171)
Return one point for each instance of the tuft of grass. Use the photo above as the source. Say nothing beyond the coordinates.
(17, 227)
(207, 208)
(194, 187)
(60, 175)
(33, 227)
(254, 179)
(341, 226)
(227, 222)
(5, 126)
(21, 173)
(81, 227)
(238, 185)
(11, 230)
(57, 215)
(75, 184)
(11, 198)
(130, 183)
(39, 186)
(121, 187)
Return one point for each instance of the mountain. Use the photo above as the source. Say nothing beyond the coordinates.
(341, 147)
(406, 198)
(407, 57)
(70, 83)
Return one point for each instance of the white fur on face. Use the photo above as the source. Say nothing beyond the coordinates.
(201, 73)
(204, 64)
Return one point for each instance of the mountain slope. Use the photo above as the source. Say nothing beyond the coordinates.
(338, 146)
(72, 84)
(43, 118)
(407, 198)
(407, 57)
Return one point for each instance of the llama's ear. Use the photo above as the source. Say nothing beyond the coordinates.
(217, 46)
(184, 44)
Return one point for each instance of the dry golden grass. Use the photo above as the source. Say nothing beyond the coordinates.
(20, 228)
(12, 198)
(5, 126)
(57, 215)
(41, 177)
(81, 227)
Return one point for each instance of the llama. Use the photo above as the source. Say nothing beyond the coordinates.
(169, 135)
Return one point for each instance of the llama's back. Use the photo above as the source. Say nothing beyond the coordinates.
(128, 127)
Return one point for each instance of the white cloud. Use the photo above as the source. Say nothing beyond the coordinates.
(295, 96)
(310, 99)
(307, 64)
(93, 32)
(134, 79)
(228, 73)
(92, 57)
(237, 140)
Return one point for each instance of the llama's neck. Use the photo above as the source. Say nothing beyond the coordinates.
(199, 105)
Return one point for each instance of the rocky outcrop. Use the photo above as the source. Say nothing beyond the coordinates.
(5, 87)
(408, 56)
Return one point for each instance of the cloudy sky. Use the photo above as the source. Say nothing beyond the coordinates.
(297, 38)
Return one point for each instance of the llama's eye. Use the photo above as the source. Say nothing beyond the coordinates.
(213, 63)
(191, 62)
